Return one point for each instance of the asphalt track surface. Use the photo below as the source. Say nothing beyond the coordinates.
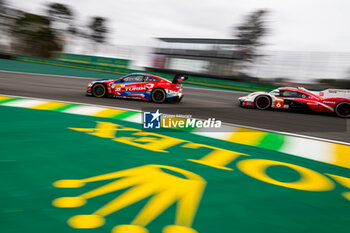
(199, 102)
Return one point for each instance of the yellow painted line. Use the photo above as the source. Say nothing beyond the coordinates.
(5, 98)
(108, 113)
(49, 106)
(341, 155)
(77, 61)
(247, 137)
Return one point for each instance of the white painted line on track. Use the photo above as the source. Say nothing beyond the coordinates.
(216, 135)
(137, 118)
(308, 148)
(50, 75)
(213, 89)
(70, 102)
(24, 103)
(84, 110)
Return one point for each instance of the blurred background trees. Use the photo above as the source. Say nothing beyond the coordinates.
(34, 36)
(251, 30)
(7, 17)
(59, 12)
(98, 30)
(62, 17)
(42, 35)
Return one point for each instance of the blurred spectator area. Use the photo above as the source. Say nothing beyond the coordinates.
(221, 58)
(301, 66)
(198, 56)
(298, 66)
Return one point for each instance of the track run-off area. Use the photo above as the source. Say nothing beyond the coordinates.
(77, 164)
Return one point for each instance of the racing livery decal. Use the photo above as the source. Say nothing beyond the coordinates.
(139, 86)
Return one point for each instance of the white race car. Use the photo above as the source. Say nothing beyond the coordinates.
(331, 100)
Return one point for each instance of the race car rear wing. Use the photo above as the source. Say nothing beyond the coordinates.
(179, 78)
(335, 93)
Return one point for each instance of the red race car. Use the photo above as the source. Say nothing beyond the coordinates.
(139, 86)
(331, 100)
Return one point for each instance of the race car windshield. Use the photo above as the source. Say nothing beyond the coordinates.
(275, 92)
(164, 79)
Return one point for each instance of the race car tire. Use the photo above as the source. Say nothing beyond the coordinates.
(342, 109)
(99, 90)
(262, 102)
(158, 95)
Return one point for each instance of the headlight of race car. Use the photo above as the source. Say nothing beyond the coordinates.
(90, 84)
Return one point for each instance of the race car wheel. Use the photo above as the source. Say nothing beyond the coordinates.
(99, 90)
(158, 96)
(343, 109)
(262, 102)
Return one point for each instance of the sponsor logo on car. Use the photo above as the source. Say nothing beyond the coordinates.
(329, 102)
(135, 88)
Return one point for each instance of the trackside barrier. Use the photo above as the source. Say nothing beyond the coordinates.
(100, 64)
(93, 60)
